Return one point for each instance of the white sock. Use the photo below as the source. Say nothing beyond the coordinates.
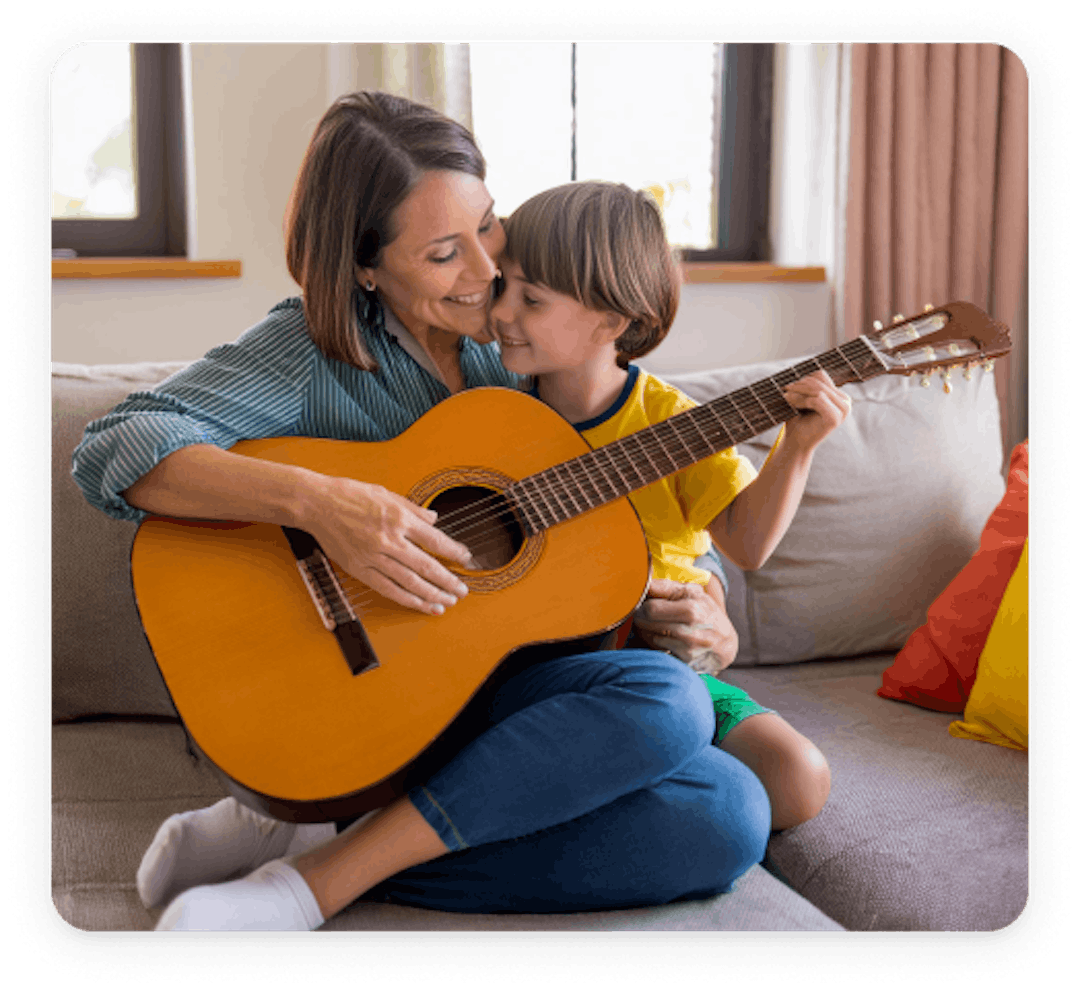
(274, 898)
(224, 841)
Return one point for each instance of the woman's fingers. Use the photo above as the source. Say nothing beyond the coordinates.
(388, 543)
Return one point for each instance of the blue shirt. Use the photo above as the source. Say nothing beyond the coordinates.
(271, 382)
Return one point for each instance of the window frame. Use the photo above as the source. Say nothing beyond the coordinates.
(160, 227)
(744, 153)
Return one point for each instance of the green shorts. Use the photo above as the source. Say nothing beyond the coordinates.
(732, 705)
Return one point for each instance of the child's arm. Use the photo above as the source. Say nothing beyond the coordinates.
(749, 529)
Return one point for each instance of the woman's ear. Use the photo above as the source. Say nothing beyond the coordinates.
(366, 278)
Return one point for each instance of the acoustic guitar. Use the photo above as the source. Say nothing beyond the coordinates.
(318, 698)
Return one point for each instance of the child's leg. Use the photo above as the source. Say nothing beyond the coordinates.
(793, 771)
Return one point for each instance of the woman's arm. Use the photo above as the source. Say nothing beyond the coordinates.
(749, 529)
(375, 535)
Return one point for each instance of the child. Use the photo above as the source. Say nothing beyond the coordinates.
(590, 283)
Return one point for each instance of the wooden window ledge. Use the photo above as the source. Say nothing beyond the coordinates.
(143, 268)
(183, 268)
(750, 272)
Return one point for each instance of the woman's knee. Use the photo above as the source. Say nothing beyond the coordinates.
(667, 679)
(721, 816)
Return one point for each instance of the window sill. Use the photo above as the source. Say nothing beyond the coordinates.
(143, 268)
(701, 272)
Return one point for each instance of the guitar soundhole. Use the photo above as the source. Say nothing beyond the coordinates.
(482, 520)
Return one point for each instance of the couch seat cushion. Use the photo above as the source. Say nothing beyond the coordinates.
(114, 782)
(922, 831)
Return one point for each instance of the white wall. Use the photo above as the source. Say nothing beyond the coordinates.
(254, 108)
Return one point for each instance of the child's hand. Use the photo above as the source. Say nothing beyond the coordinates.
(826, 408)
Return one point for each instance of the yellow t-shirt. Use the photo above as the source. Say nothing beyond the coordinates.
(674, 511)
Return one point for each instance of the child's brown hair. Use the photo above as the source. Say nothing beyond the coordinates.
(603, 244)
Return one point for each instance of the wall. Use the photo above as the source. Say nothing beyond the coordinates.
(253, 110)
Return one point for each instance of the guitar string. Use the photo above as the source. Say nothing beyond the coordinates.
(740, 403)
(742, 399)
(734, 399)
(479, 516)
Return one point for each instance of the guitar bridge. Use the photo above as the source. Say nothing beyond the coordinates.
(333, 606)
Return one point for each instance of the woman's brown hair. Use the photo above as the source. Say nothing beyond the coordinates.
(603, 244)
(369, 150)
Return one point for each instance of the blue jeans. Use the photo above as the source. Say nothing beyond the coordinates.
(593, 787)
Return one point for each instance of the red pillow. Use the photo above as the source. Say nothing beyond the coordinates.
(937, 665)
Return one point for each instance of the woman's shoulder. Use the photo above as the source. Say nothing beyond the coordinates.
(279, 343)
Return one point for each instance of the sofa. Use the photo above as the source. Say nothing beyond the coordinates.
(922, 830)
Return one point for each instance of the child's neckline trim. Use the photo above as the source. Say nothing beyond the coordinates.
(620, 400)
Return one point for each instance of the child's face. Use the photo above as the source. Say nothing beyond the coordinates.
(542, 331)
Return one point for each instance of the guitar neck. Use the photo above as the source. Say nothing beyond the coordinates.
(574, 487)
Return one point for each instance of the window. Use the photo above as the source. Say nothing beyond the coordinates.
(117, 151)
(690, 122)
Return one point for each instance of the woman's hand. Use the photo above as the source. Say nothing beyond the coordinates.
(376, 535)
(826, 408)
(689, 621)
(387, 542)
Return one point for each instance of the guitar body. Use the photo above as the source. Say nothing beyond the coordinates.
(262, 685)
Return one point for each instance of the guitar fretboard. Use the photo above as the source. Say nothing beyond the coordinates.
(566, 490)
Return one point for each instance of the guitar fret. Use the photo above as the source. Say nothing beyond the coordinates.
(639, 440)
(580, 471)
(693, 422)
(533, 517)
(549, 516)
(569, 478)
(626, 485)
(714, 412)
(548, 485)
(673, 428)
(731, 403)
(750, 389)
(583, 465)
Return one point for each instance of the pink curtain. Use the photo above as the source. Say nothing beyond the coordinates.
(937, 195)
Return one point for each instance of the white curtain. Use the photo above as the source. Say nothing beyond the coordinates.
(433, 74)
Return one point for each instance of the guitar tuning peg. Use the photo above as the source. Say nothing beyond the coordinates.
(928, 307)
(897, 317)
(878, 325)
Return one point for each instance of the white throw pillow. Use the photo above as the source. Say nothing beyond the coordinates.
(895, 504)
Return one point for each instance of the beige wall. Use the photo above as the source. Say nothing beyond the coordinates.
(253, 110)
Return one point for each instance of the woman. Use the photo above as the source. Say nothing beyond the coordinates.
(594, 785)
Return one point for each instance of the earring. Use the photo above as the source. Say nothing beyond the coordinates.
(369, 286)
(498, 273)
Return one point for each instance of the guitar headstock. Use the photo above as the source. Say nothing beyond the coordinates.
(939, 338)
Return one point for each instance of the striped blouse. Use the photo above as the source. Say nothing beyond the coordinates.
(271, 382)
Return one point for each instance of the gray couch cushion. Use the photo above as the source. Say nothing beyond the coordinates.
(895, 504)
(115, 782)
(101, 661)
(922, 831)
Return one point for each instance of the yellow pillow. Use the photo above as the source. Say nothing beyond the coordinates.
(997, 709)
